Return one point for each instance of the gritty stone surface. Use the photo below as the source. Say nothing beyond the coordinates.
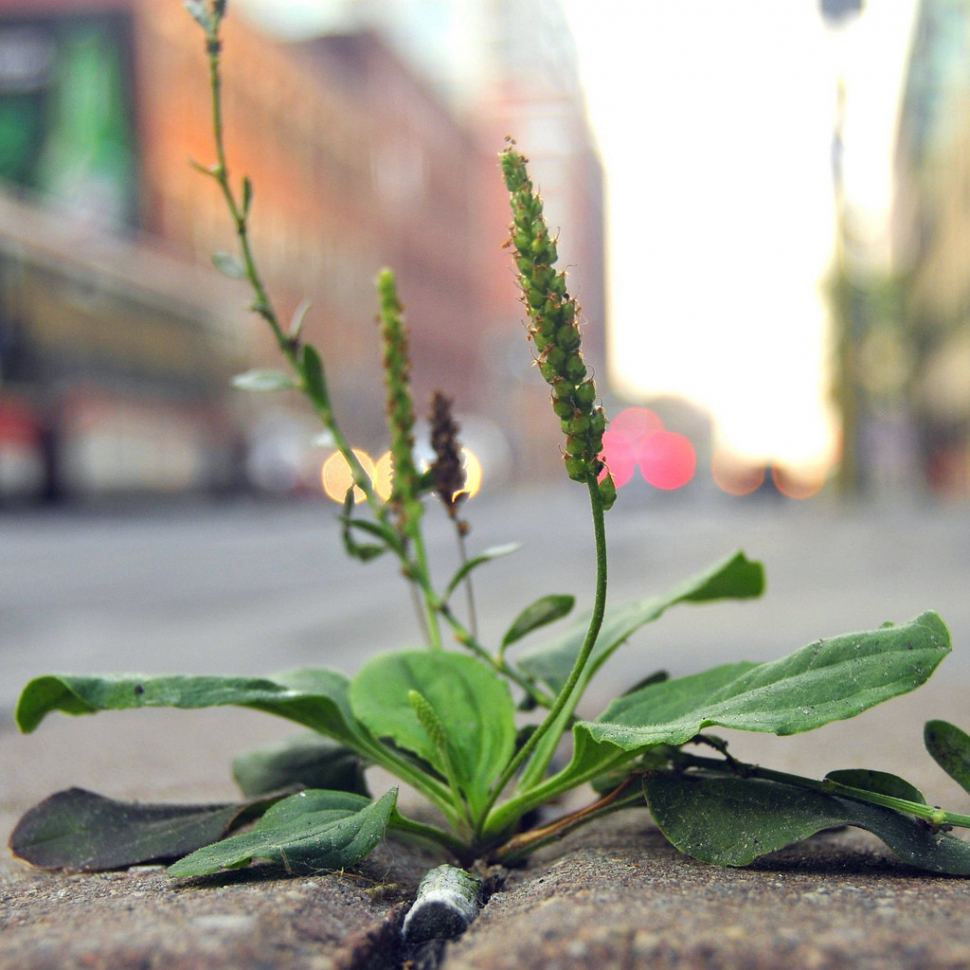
(626, 898)
(615, 896)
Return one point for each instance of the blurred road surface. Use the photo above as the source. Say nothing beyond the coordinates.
(251, 588)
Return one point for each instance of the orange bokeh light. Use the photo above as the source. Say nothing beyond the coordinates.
(734, 475)
(337, 478)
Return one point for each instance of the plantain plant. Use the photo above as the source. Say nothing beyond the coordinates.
(474, 727)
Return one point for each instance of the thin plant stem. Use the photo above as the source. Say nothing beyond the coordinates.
(524, 844)
(469, 588)
(464, 636)
(428, 833)
(553, 724)
(289, 345)
(429, 610)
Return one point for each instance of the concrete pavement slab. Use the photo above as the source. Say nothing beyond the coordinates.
(614, 896)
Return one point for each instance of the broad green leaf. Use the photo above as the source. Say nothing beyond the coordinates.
(472, 702)
(262, 379)
(733, 578)
(731, 821)
(315, 698)
(85, 832)
(495, 552)
(538, 614)
(309, 760)
(229, 265)
(880, 782)
(307, 832)
(950, 749)
(828, 680)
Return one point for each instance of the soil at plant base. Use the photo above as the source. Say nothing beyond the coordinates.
(616, 896)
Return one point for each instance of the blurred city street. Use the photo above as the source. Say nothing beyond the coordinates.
(251, 588)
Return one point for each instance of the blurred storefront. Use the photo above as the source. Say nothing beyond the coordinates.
(932, 232)
(358, 161)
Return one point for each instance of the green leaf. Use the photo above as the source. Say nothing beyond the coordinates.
(472, 702)
(309, 760)
(85, 832)
(389, 539)
(950, 749)
(315, 698)
(880, 782)
(296, 321)
(540, 613)
(229, 265)
(732, 821)
(496, 552)
(307, 832)
(264, 380)
(200, 13)
(733, 578)
(362, 551)
(314, 378)
(826, 681)
(247, 195)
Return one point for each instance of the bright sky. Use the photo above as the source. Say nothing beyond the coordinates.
(715, 122)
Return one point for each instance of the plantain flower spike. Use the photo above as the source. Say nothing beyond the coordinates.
(554, 329)
(400, 408)
(448, 471)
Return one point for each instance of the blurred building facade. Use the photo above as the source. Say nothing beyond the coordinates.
(932, 234)
(358, 160)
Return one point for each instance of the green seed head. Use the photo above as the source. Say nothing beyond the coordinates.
(400, 408)
(553, 324)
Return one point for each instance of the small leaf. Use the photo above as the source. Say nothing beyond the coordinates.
(363, 551)
(85, 832)
(313, 376)
(473, 703)
(950, 749)
(731, 821)
(296, 321)
(200, 13)
(247, 195)
(826, 681)
(211, 170)
(308, 832)
(880, 782)
(733, 578)
(308, 760)
(539, 614)
(261, 379)
(380, 530)
(229, 265)
(496, 552)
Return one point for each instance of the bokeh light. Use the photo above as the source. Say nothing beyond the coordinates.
(667, 460)
(384, 475)
(636, 436)
(735, 475)
(337, 478)
(799, 483)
